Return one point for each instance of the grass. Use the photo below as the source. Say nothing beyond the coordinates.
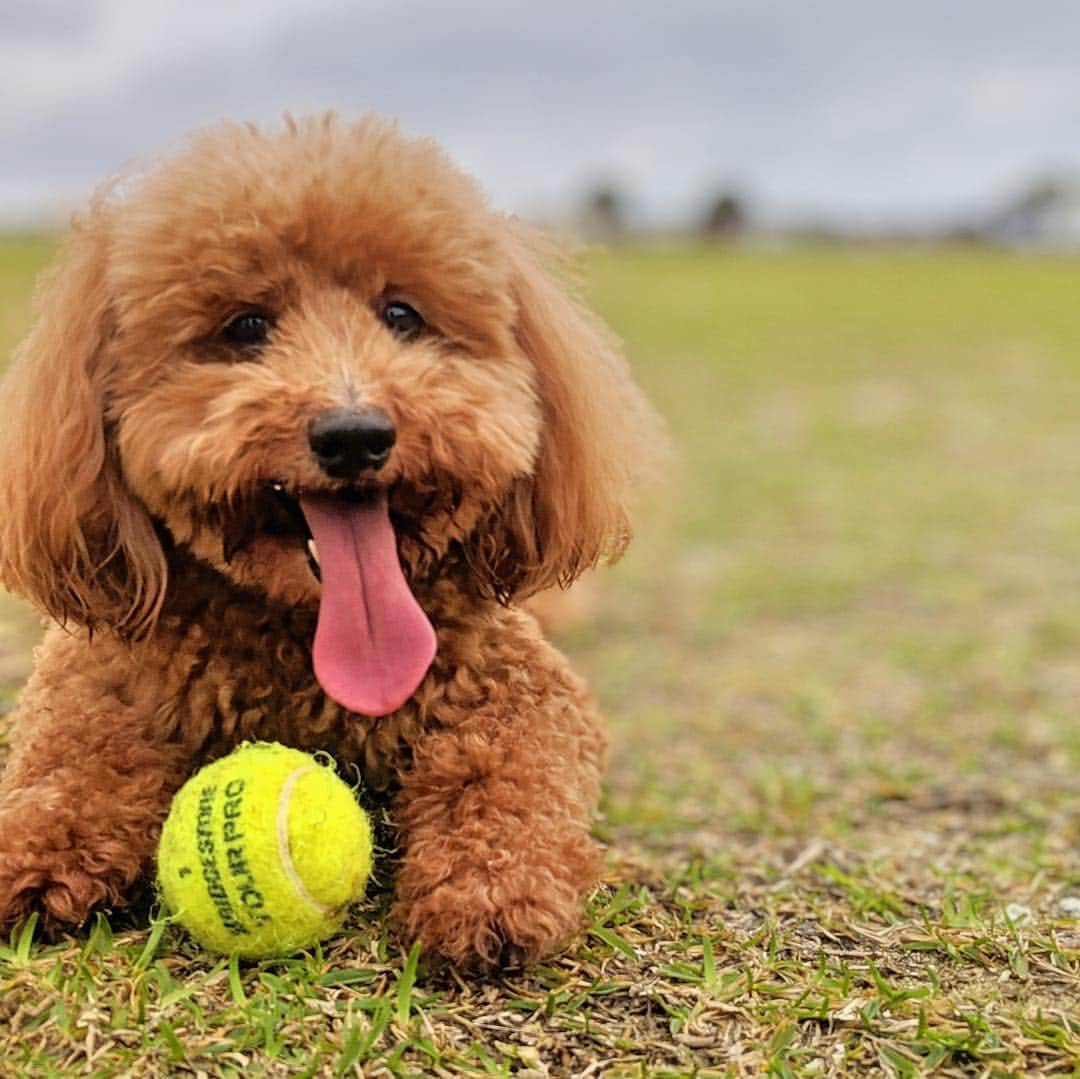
(842, 667)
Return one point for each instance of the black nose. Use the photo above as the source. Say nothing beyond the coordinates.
(347, 443)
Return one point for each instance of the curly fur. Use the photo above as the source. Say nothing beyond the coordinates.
(131, 461)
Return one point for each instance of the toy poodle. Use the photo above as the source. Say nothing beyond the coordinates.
(300, 424)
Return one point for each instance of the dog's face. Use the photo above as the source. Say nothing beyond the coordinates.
(322, 332)
(332, 313)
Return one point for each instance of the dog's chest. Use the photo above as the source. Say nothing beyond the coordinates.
(235, 673)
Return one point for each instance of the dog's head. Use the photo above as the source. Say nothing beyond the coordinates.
(322, 330)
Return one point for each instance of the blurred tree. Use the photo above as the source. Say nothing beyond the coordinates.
(605, 212)
(1045, 213)
(726, 216)
(1042, 194)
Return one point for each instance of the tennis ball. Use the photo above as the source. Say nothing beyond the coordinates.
(263, 851)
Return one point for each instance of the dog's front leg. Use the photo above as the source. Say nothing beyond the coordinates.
(495, 813)
(82, 797)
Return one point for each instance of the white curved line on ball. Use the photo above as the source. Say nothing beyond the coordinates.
(284, 853)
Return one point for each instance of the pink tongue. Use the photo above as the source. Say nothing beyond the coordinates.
(373, 643)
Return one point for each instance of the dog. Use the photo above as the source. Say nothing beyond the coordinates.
(300, 424)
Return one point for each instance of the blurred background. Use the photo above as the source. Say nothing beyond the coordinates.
(839, 240)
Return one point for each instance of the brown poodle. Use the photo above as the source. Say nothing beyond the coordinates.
(299, 424)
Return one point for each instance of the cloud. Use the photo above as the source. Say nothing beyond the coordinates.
(841, 106)
(52, 21)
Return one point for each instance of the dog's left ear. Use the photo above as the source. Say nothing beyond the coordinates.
(72, 539)
(600, 436)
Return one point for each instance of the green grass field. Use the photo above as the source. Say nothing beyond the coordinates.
(842, 669)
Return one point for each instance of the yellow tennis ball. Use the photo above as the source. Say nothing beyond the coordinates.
(263, 851)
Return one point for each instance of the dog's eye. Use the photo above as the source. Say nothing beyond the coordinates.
(404, 321)
(248, 329)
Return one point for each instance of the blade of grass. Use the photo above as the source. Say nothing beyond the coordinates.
(405, 985)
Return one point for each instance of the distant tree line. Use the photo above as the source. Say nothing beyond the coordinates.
(605, 214)
(1043, 213)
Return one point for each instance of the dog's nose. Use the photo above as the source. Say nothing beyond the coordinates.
(347, 443)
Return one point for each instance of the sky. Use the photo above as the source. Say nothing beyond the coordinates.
(866, 111)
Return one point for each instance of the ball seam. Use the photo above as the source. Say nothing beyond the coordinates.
(284, 851)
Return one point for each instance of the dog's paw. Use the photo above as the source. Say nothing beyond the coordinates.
(62, 898)
(479, 928)
(59, 875)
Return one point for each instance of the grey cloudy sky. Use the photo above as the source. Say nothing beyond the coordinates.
(878, 110)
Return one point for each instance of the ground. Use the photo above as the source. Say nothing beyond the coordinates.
(842, 669)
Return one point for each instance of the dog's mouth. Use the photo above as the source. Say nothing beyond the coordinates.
(272, 511)
(373, 642)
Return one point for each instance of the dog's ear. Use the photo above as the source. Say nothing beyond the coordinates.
(599, 437)
(72, 539)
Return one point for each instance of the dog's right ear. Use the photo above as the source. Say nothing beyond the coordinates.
(72, 539)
